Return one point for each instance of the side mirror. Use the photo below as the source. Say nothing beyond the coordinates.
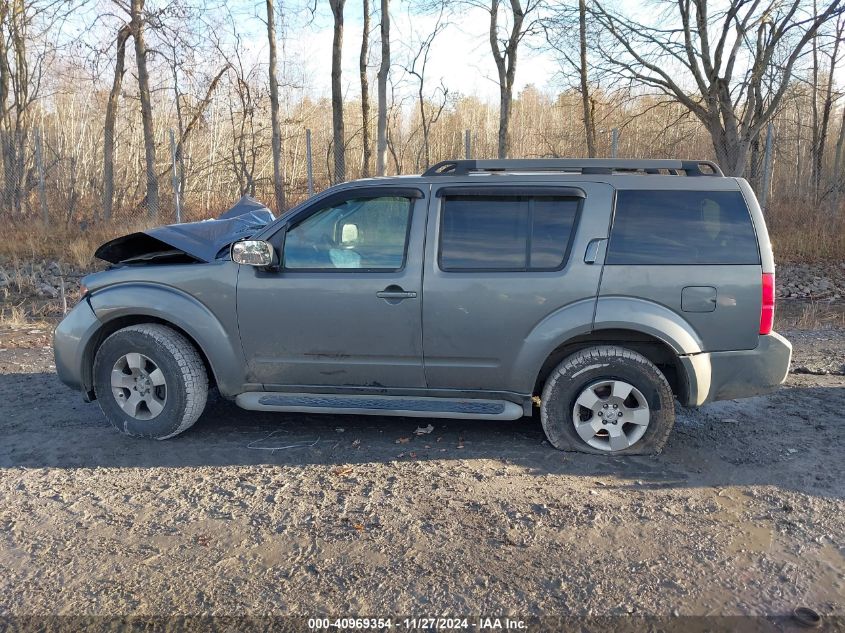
(253, 253)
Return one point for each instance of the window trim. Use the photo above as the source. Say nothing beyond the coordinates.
(274, 232)
(513, 192)
(616, 193)
(522, 191)
(410, 195)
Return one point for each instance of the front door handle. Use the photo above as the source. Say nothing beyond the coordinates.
(395, 293)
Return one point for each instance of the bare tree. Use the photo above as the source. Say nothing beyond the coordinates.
(383, 72)
(504, 43)
(586, 103)
(137, 25)
(338, 133)
(821, 120)
(365, 92)
(198, 112)
(560, 32)
(430, 108)
(25, 46)
(839, 166)
(111, 115)
(275, 119)
(731, 69)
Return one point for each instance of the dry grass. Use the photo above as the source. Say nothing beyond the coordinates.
(799, 233)
(27, 314)
(802, 233)
(14, 316)
(20, 282)
(812, 315)
(66, 245)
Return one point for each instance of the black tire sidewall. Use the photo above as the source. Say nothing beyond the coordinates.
(165, 423)
(562, 391)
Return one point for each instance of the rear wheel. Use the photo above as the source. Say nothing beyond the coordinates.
(607, 400)
(150, 381)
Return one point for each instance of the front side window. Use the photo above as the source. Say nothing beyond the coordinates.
(681, 227)
(359, 234)
(506, 233)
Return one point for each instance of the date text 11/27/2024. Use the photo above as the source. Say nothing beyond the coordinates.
(422, 623)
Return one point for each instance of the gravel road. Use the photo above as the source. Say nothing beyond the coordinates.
(744, 513)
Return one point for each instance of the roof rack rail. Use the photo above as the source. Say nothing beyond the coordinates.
(602, 166)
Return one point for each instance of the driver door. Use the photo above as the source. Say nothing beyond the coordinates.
(344, 310)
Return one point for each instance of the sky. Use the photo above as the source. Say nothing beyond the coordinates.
(460, 54)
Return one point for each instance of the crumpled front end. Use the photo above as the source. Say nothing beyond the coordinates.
(191, 242)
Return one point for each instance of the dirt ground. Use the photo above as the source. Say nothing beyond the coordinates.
(743, 514)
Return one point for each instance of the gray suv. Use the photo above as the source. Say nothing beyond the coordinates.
(598, 291)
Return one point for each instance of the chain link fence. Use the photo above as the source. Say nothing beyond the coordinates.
(49, 180)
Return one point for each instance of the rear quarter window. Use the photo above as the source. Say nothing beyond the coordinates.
(681, 227)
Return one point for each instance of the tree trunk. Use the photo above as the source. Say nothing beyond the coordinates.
(505, 99)
(839, 167)
(108, 128)
(589, 126)
(365, 92)
(384, 69)
(5, 118)
(506, 66)
(827, 107)
(424, 120)
(338, 134)
(137, 25)
(275, 123)
(816, 144)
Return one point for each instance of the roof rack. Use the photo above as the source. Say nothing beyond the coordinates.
(603, 166)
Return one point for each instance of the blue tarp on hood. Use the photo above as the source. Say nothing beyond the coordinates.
(201, 241)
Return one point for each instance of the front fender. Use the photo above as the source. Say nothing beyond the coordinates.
(217, 341)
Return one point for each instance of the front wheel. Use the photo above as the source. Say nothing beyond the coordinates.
(150, 381)
(607, 400)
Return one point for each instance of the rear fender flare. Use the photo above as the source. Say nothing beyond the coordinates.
(629, 313)
(553, 331)
(658, 321)
(613, 313)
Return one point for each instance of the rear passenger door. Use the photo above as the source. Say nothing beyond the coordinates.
(499, 260)
(694, 252)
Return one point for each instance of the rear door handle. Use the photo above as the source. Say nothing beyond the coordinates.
(591, 255)
(395, 293)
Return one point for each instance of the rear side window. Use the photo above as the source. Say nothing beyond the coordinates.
(682, 227)
(515, 233)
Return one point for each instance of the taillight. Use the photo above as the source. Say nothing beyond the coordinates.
(767, 310)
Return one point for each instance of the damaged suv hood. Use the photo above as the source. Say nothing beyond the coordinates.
(193, 241)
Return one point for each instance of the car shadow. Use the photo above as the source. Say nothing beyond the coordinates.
(785, 440)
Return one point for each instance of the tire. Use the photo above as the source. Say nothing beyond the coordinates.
(595, 379)
(150, 381)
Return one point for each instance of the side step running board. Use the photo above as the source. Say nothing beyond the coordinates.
(409, 406)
